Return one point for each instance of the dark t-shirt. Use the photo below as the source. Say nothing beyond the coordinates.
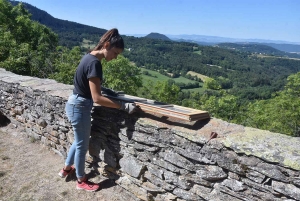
(88, 67)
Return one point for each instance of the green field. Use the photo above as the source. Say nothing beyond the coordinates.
(263, 56)
(87, 44)
(202, 77)
(156, 76)
(198, 52)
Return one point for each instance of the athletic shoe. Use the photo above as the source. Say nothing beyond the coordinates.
(87, 185)
(63, 173)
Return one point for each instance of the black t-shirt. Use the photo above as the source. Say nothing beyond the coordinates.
(89, 67)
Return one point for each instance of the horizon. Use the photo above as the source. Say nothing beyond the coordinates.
(275, 20)
(221, 37)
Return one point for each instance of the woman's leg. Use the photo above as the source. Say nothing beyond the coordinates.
(71, 154)
(78, 111)
(82, 136)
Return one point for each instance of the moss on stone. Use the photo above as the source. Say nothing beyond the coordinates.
(273, 147)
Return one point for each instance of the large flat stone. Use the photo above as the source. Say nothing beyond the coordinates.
(272, 147)
(198, 133)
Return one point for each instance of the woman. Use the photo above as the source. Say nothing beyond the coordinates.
(87, 90)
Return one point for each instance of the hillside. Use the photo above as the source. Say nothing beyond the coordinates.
(285, 47)
(251, 77)
(70, 33)
(213, 40)
(242, 74)
(157, 36)
(257, 49)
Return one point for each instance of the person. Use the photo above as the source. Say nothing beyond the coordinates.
(87, 90)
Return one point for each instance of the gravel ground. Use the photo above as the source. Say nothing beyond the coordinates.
(29, 171)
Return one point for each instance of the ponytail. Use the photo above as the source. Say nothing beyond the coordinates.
(113, 37)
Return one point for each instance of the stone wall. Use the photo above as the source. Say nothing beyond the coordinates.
(156, 158)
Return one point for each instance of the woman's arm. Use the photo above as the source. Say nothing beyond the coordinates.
(95, 86)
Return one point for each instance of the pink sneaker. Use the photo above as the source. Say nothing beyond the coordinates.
(63, 173)
(87, 185)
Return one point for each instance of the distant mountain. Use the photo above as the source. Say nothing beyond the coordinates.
(218, 39)
(157, 36)
(136, 35)
(79, 32)
(285, 47)
(257, 48)
(249, 77)
(213, 40)
(197, 42)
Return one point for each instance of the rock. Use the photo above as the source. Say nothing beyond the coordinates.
(18, 110)
(287, 189)
(133, 188)
(202, 191)
(42, 123)
(211, 173)
(178, 160)
(158, 182)
(108, 157)
(186, 195)
(255, 176)
(234, 185)
(131, 166)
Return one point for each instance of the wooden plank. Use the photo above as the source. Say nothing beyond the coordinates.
(175, 113)
(159, 108)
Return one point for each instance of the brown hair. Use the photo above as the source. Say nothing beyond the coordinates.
(113, 37)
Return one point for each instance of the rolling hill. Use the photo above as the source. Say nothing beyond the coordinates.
(157, 36)
(214, 40)
(70, 33)
(257, 49)
(249, 77)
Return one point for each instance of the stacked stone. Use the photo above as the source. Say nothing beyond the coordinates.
(158, 159)
(168, 162)
(36, 108)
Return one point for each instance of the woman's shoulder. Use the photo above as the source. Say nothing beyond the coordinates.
(89, 58)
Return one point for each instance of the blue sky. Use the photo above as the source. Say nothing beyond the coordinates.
(246, 19)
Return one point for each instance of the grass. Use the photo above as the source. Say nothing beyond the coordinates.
(156, 76)
(263, 56)
(202, 77)
(87, 44)
(198, 52)
(200, 90)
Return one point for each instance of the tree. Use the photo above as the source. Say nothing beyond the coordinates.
(26, 46)
(120, 75)
(280, 113)
(66, 63)
(225, 107)
(163, 91)
(211, 84)
(292, 87)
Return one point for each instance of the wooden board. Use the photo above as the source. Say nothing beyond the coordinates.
(163, 109)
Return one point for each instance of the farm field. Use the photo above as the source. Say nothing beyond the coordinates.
(202, 77)
(87, 44)
(264, 56)
(156, 76)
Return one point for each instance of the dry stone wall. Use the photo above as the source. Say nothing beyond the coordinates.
(156, 158)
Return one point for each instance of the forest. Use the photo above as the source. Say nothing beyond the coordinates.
(247, 87)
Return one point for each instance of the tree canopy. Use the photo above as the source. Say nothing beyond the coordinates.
(245, 88)
(26, 46)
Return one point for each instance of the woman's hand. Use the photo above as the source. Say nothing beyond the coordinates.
(129, 107)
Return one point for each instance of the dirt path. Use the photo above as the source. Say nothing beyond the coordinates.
(29, 171)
